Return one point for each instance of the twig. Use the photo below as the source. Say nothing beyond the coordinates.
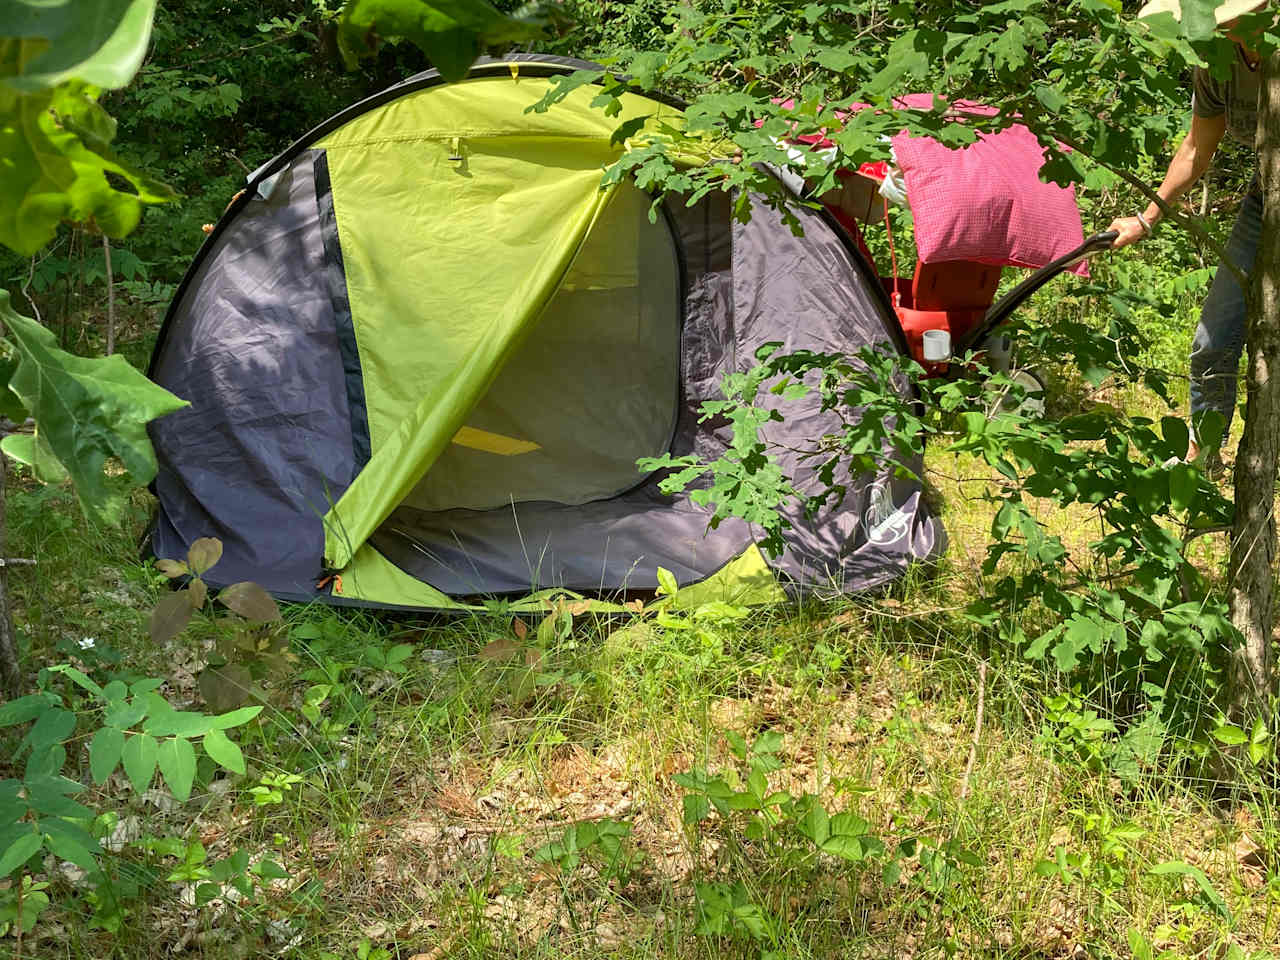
(111, 297)
(10, 669)
(16, 562)
(913, 614)
(977, 730)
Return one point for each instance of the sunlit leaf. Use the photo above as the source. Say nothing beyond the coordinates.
(98, 41)
(58, 166)
(452, 33)
(87, 409)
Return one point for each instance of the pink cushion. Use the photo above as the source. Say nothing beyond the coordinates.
(986, 202)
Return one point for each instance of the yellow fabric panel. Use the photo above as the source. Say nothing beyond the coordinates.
(443, 259)
(495, 443)
(493, 108)
(746, 580)
(458, 216)
(372, 577)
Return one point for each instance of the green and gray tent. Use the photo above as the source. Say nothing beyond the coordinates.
(425, 349)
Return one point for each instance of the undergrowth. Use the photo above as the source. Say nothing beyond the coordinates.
(810, 781)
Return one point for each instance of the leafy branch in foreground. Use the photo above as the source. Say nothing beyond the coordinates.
(452, 33)
(85, 409)
(1132, 613)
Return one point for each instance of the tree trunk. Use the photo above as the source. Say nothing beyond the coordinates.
(1253, 540)
(10, 671)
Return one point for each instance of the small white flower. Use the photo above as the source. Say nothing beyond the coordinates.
(87, 643)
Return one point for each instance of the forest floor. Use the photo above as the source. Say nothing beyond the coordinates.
(475, 786)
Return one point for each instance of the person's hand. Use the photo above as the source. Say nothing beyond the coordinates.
(1128, 229)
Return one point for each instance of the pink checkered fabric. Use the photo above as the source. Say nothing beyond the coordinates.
(986, 202)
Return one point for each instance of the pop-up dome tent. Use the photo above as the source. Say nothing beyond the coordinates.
(424, 350)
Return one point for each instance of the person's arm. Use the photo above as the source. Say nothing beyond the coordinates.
(1188, 165)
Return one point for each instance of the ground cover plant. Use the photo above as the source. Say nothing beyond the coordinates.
(1031, 750)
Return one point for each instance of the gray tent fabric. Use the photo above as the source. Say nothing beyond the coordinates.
(266, 445)
(745, 285)
(829, 305)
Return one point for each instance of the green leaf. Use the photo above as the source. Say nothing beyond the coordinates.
(667, 585)
(1231, 736)
(1179, 868)
(223, 751)
(816, 825)
(1198, 19)
(101, 42)
(696, 808)
(59, 166)
(54, 725)
(31, 450)
(139, 756)
(237, 717)
(47, 795)
(1184, 481)
(177, 759)
(10, 405)
(67, 849)
(19, 852)
(124, 715)
(78, 677)
(178, 723)
(452, 33)
(86, 409)
(23, 709)
(105, 750)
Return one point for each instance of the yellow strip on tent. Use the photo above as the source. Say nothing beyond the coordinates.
(745, 580)
(496, 443)
(458, 215)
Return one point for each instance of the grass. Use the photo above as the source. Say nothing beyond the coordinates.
(427, 796)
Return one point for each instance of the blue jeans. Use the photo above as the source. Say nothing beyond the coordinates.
(1219, 339)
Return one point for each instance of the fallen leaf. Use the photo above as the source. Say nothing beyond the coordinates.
(1248, 853)
(520, 627)
(499, 649)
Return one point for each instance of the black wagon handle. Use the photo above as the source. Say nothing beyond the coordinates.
(999, 312)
